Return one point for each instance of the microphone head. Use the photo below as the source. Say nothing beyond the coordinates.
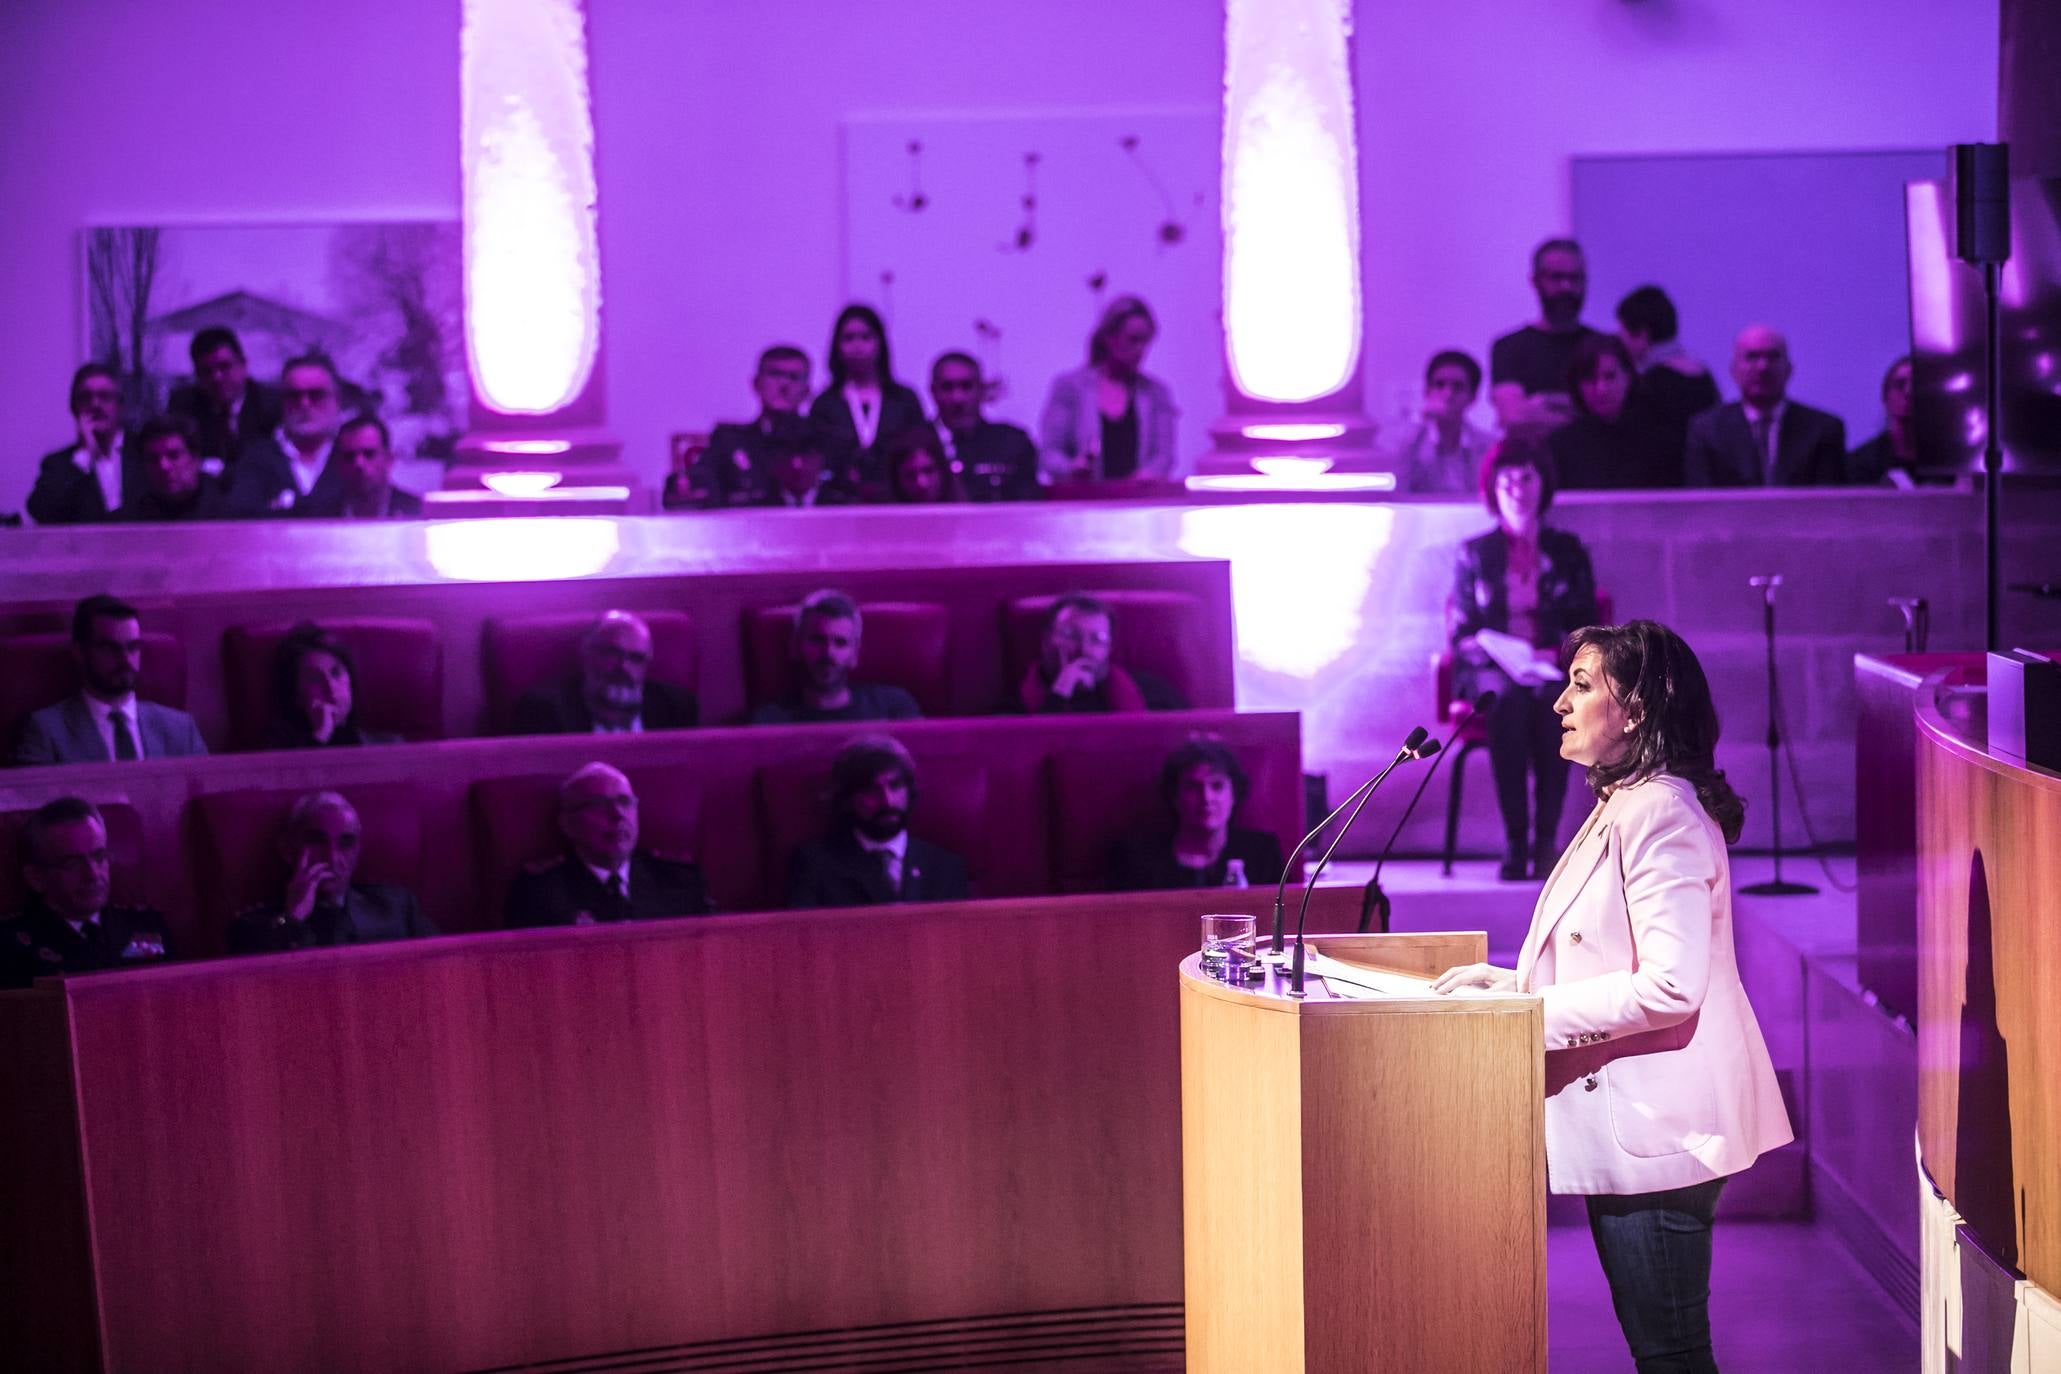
(1416, 740)
(1425, 750)
(1483, 702)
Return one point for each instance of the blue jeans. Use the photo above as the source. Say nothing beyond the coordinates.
(1655, 1249)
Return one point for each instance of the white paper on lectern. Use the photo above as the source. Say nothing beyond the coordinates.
(1516, 658)
(1366, 982)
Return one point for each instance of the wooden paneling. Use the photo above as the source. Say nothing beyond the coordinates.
(1989, 1029)
(46, 1255)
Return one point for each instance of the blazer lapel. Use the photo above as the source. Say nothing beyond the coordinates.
(1576, 867)
(86, 737)
(1748, 463)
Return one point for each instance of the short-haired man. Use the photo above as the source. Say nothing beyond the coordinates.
(105, 721)
(363, 461)
(1764, 439)
(280, 470)
(1528, 366)
(737, 468)
(1075, 671)
(322, 903)
(1674, 388)
(612, 693)
(993, 461)
(1443, 451)
(229, 411)
(175, 486)
(90, 477)
(824, 651)
(603, 875)
(800, 473)
(69, 925)
(868, 857)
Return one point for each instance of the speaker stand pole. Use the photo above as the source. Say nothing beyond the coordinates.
(1777, 888)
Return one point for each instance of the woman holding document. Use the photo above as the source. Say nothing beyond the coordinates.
(1518, 591)
(1658, 1084)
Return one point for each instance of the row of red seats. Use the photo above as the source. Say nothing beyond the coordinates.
(400, 661)
(1033, 805)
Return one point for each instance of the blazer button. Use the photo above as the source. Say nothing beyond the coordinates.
(1575, 938)
(1589, 1084)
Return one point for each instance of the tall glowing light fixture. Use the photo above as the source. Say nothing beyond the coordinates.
(532, 262)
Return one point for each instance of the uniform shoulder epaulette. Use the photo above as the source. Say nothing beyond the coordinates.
(545, 865)
(665, 857)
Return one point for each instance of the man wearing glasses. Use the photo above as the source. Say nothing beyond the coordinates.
(90, 478)
(69, 926)
(739, 466)
(1076, 672)
(603, 875)
(284, 468)
(612, 693)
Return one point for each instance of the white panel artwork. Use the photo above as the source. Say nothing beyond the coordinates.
(1002, 236)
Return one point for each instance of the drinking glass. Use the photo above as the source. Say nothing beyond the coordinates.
(1229, 944)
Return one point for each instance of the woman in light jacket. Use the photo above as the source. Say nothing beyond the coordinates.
(1109, 420)
(1658, 1084)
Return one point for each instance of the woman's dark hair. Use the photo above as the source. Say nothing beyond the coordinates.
(303, 639)
(1648, 310)
(906, 445)
(1889, 372)
(870, 317)
(1201, 752)
(1654, 675)
(1588, 361)
(1518, 451)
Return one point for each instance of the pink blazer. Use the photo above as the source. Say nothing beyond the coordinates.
(1656, 1073)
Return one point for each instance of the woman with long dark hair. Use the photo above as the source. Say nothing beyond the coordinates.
(1658, 1084)
(1612, 441)
(864, 405)
(314, 693)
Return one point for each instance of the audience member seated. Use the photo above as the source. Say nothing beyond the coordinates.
(868, 857)
(824, 652)
(1203, 787)
(280, 470)
(67, 925)
(1534, 583)
(1074, 671)
(610, 695)
(603, 875)
(1528, 366)
(993, 461)
(917, 471)
(90, 477)
(1613, 440)
(229, 411)
(174, 485)
(1674, 388)
(105, 721)
(314, 693)
(802, 474)
(737, 469)
(320, 904)
(1764, 438)
(363, 461)
(1442, 452)
(1110, 419)
(864, 405)
(1892, 455)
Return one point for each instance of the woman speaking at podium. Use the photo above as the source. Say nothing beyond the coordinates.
(1658, 1084)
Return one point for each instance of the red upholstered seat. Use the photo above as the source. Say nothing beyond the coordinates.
(399, 676)
(41, 671)
(520, 652)
(125, 857)
(1163, 633)
(237, 843)
(905, 644)
(17, 621)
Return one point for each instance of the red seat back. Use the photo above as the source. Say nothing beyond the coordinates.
(905, 644)
(41, 671)
(17, 621)
(237, 843)
(398, 680)
(1445, 703)
(125, 856)
(521, 652)
(1163, 633)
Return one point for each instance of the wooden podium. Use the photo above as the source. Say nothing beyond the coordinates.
(1363, 1181)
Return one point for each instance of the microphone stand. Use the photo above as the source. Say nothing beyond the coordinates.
(1276, 950)
(1776, 888)
(1374, 899)
(1418, 746)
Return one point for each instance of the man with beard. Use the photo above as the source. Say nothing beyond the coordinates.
(229, 411)
(993, 461)
(1075, 671)
(824, 651)
(321, 904)
(291, 464)
(91, 477)
(68, 925)
(364, 488)
(869, 858)
(105, 721)
(1528, 366)
(603, 875)
(611, 693)
(175, 487)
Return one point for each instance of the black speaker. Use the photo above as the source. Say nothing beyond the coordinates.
(1982, 202)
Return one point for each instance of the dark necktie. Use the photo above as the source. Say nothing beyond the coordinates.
(616, 891)
(886, 860)
(124, 738)
(1762, 428)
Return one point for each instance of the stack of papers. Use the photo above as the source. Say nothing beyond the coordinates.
(1516, 658)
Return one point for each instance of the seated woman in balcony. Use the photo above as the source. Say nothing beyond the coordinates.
(1614, 439)
(314, 693)
(1202, 786)
(918, 473)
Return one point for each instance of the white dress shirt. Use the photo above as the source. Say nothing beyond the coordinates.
(607, 876)
(865, 407)
(897, 852)
(106, 469)
(1774, 446)
(306, 471)
(101, 710)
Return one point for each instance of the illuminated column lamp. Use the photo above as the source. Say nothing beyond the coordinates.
(532, 260)
(1292, 320)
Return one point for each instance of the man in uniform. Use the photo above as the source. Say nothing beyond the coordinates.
(321, 904)
(603, 875)
(68, 925)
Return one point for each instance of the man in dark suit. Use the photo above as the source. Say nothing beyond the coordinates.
(824, 651)
(229, 411)
(738, 467)
(603, 875)
(993, 461)
(277, 471)
(105, 722)
(88, 479)
(321, 904)
(612, 693)
(68, 925)
(1764, 439)
(868, 857)
(363, 461)
(174, 485)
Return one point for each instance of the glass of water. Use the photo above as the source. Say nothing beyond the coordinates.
(1229, 944)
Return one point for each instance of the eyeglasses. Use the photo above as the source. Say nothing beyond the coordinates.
(310, 393)
(78, 865)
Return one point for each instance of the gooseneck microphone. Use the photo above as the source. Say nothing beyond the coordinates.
(1419, 745)
(1375, 899)
(1357, 794)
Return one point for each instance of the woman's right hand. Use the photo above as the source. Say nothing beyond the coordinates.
(1485, 976)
